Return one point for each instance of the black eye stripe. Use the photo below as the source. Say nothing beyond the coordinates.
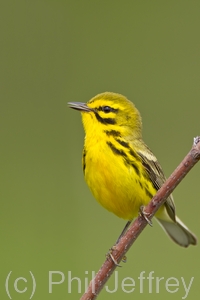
(107, 109)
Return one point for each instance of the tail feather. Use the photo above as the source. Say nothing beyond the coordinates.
(178, 232)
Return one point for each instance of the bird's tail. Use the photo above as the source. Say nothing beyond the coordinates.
(178, 232)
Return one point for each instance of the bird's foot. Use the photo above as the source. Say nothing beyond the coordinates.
(145, 215)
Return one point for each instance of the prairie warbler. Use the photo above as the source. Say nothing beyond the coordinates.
(120, 170)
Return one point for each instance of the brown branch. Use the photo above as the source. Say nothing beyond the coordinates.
(140, 223)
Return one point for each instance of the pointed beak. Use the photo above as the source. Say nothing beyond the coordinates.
(80, 106)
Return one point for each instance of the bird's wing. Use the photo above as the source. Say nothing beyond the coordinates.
(157, 177)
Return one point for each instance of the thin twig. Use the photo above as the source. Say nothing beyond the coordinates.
(140, 223)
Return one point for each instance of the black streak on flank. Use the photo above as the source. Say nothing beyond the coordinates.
(105, 121)
(126, 145)
(123, 143)
(123, 154)
(114, 133)
(84, 164)
(141, 185)
(148, 193)
(135, 168)
(116, 151)
(132, 153)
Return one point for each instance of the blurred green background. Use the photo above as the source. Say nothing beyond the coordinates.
(53, 52)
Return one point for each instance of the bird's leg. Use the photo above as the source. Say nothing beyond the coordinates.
(114, 247)
(123, 232)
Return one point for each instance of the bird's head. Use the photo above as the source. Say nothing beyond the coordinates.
(110, 111)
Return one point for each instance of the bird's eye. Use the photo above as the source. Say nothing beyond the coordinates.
(106, 109)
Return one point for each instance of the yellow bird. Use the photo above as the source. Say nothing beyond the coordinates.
(120, 170)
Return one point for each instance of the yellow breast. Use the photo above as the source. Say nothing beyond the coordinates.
(113, 182)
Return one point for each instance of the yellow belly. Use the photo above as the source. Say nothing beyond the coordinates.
(115, 185)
